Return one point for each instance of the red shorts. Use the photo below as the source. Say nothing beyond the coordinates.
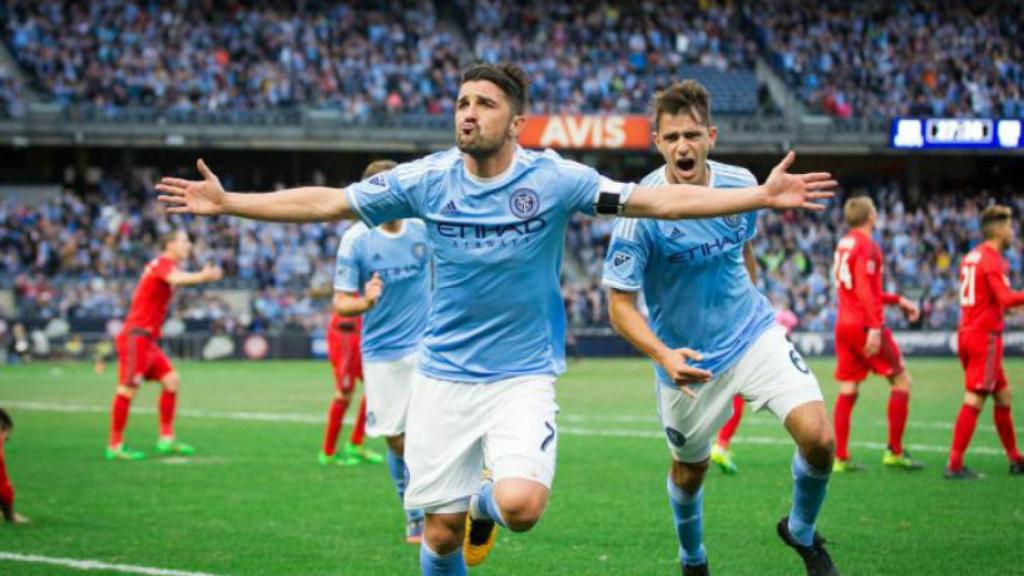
(343, 352)
(981, 355)
(851, 363)
(139, 358)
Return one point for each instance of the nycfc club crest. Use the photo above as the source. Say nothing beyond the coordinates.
(524, 203)
(733, 220)
(419, 250)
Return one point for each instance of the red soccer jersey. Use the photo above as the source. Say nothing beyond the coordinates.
(345, 327)
(857, 271)
(6, 489)
(152, 297)
(985, 292)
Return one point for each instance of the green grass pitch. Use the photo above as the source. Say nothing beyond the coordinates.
(254, 500)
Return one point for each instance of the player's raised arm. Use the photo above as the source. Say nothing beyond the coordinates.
(781, 191)
(207, 197)
(209, 273)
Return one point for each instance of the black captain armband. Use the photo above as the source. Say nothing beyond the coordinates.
(612, 197)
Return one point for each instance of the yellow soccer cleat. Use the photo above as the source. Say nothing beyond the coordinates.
(723, 458)
(480, 538)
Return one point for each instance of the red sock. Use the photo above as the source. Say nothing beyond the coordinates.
(899, 406)
(1007, 435)
(360, 428)
(118, 419)
(168, 403)
(962, 432)
(841, 414)
(335, 418)
(729, 429)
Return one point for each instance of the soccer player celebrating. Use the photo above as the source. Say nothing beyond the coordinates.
(347, 363)
(496, 216)
(6, 488)
(863, 343)
(985, 295)
(138, 349)
(700, 296)
(390, 264)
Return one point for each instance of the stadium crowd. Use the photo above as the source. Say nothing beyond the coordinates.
(79, 256)
(903, 58)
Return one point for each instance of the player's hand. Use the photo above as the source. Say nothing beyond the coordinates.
(212, 273)
(910, 309)
(874, 342)
(373, 290)
(204, 197)
(787, 190)
(674, 362)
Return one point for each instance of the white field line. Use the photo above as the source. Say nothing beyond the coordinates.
(568, 430)
(96, 565)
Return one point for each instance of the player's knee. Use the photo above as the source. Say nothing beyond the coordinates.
(974, 400)
(126, 391)
(689, 476)
(442, 535)
(1003, 397)
(171, 382)
(397, 444)
(848, 388)
(902, 381)
(522, 511)
(819, 448)
(343, 395)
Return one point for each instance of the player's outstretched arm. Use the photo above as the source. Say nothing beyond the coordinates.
(781, 191)
(209, 273)
(630, 323)
(207, 197)
(1006, 296)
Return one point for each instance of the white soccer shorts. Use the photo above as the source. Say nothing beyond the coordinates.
(453, 428)
(771, 374)
(388, 388)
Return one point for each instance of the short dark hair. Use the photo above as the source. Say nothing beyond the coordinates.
(687, 96)
(378, 166)
(5, 420)
(992, 216)
(512, 80)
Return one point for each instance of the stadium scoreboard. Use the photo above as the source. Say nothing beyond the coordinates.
(956, 133)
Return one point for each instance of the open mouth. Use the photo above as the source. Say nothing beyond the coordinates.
(686, 164)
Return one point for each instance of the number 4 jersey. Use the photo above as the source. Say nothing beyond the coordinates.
(985, 290)
(858, 275)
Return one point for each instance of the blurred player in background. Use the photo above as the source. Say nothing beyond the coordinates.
(863, 343)
(6, 488)
(390, 264)
(985, 295)
(495, 342)
(347, 364)
(696, 279)
(138, 345)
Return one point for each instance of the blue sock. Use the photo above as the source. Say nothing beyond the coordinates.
(809, 488)
(688, 511)
(434, 564)
(483, 506)
(400, 476)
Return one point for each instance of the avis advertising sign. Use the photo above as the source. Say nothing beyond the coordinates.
(587, 132)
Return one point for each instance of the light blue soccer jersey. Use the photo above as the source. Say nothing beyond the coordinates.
(497, 310)
(696, 286)
(395, 326)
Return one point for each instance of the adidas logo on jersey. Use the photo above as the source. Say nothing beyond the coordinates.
(450, 209)
(379, 180)
(676, 233)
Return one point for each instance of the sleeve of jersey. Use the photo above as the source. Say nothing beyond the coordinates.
(591, 193)
(627, 257)
(1006, 297)
(890, 298)
(346, 268)
(862, 288)
(164, 269)
(387, 196)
